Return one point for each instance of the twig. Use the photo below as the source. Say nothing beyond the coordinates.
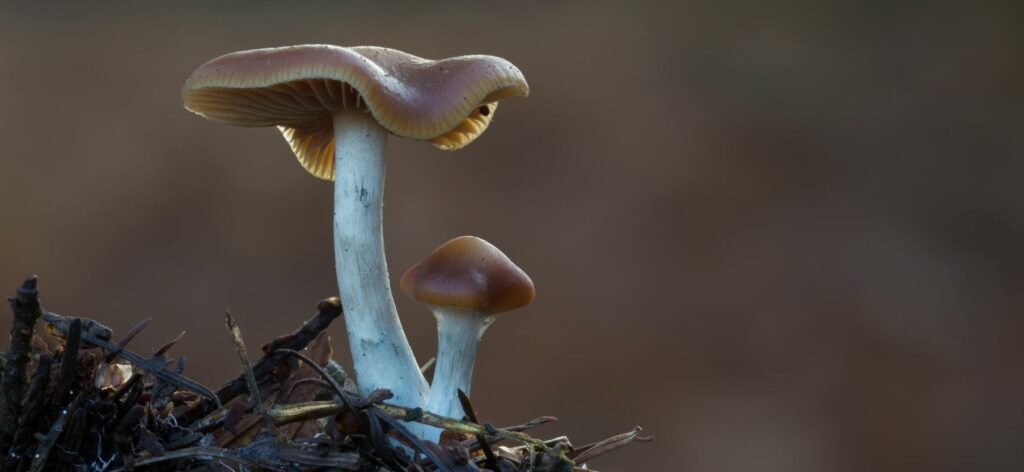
(236, 338)
(473, 444)
(127, 338)
(492, 461)
(168, 345)
(155, 365)
(338, 390)
(301, 382)
(172, 437)
(441, 464)
(381, 445)
(590, 451)
(71, 444)
(58, 325)
(532, 423)
(161, 392)
(35, 400)
(68, 364)
(425, 367)
(46, 443)
(25, 306)
(334, 460)
(282, 414)
(196, 452)
(328, 310)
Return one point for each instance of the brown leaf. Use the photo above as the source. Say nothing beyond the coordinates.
(249, 421)
(235, 409)
(449, 437)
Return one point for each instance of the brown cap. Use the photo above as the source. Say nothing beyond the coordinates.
(468, 272)
(297, 88)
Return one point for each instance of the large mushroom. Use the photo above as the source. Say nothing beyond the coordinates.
(466, 283)
(336, 106)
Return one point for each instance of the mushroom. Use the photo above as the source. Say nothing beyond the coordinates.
(335, 107)
(465, 282)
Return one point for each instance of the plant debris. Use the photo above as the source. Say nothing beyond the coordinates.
(73, 400)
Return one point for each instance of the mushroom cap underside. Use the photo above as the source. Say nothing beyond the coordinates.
(469, 272)
(449, 102)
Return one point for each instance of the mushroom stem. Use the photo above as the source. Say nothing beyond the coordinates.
(381, 355)
(458, 335)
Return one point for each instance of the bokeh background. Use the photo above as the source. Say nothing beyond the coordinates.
(781, 236)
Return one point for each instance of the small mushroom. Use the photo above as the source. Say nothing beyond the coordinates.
(336, 107)
(465, 282)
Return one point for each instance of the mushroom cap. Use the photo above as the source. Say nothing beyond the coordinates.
(468, 272)
(298, 88)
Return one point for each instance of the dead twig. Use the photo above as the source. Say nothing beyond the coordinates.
(282, 414)
(333, 460)
(46, 443)
(68, 364)
(467, 407)
(473, 444)
(158, 418)
(25, 305)
(303, 382)
(432, 455)
(254, 389)
(127, 338)
(155, 366)
(327, 311)
(338, 390)
(168, 345)
(200, 453)
(584, 453)
(532, 423)
(59, 326)
(35, 403)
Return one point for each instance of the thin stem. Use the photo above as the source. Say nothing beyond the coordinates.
(458, 335)
(291, 412)
(381, 355)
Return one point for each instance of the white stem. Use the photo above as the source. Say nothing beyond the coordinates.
(458, 335)
(381, 355)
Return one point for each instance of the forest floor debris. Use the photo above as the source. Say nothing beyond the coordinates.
(71, 399)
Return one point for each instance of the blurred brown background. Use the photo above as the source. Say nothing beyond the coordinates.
(780, 237)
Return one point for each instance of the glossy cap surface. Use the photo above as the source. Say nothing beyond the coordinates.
(468, 272)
